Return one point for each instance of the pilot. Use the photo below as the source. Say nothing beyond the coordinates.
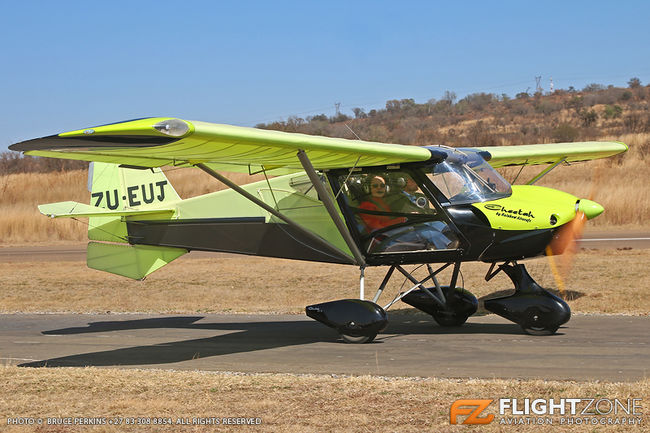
(376, 202)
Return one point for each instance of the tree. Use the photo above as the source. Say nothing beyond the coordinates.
(593, 87)
(359, 113)
(318, 117)
(634, 83)
(449, 97)
(575, 103)
(392, 105)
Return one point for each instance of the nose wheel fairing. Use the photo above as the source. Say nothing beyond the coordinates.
(532, 307)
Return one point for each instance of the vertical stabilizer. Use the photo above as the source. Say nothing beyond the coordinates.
(116, 188)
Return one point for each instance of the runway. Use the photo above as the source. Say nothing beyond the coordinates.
(598, 347)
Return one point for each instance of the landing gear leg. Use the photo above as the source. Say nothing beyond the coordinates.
(448, 305)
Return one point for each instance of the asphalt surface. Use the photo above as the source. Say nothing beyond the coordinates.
(77, 252)
(588, 347)
(610, 348)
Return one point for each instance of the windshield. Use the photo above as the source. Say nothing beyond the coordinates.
(468, 178)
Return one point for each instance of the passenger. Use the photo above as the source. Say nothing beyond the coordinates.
(376, 202)
(410, 199)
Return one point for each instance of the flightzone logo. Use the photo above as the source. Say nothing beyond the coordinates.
(472, 409)
(542, 411)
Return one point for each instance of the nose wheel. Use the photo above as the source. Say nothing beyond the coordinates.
(534, 324)
(536, 310)
(357, 340)
(540, 330)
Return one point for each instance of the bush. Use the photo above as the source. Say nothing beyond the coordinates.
(588, 117)
(613, 111)
(565, 133)
(635, 122)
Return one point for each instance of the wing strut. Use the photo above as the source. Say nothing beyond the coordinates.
(331, 209)
(272, 211)
(546, 171)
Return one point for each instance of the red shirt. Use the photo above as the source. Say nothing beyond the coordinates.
(376, 222)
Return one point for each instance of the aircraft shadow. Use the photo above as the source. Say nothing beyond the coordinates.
(245, 337)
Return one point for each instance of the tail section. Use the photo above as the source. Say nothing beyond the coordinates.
(119, 193)
(116, 189)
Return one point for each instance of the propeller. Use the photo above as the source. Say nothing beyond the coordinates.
(565, 241)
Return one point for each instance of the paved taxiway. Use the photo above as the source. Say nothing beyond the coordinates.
(612, 348)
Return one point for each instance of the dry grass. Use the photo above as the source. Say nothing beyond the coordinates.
(20, 194)
(619, 184)
(601, 281)
(285, 403)
(20, 221)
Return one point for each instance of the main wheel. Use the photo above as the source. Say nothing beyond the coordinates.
(358, 340)
(450, 319)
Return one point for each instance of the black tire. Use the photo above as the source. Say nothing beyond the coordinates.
(540, 330)
(450, 319)
(535, 324)
(363, 339)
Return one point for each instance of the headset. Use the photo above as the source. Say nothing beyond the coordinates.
(368, 180)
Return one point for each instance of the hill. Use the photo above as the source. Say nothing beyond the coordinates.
(486, 119)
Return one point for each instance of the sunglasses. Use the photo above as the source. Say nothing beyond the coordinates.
(378, 185)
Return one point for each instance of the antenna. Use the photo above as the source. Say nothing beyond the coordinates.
(538, 87)
(551, 85)
(355, 134)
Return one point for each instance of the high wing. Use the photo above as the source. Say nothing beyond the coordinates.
(159, 141)
(534, 154)
(154, 142)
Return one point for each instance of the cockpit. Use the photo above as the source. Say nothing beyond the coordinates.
(401, 208)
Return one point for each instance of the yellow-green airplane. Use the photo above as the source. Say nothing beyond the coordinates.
(331, 200)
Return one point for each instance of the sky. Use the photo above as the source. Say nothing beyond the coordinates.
(68, 65)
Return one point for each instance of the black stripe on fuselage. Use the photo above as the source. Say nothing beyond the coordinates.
(246, 235)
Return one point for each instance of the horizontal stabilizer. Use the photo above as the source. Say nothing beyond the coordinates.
(136, 261)
(75, 209)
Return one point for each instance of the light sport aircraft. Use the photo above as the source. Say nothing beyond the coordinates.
(329, 200)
